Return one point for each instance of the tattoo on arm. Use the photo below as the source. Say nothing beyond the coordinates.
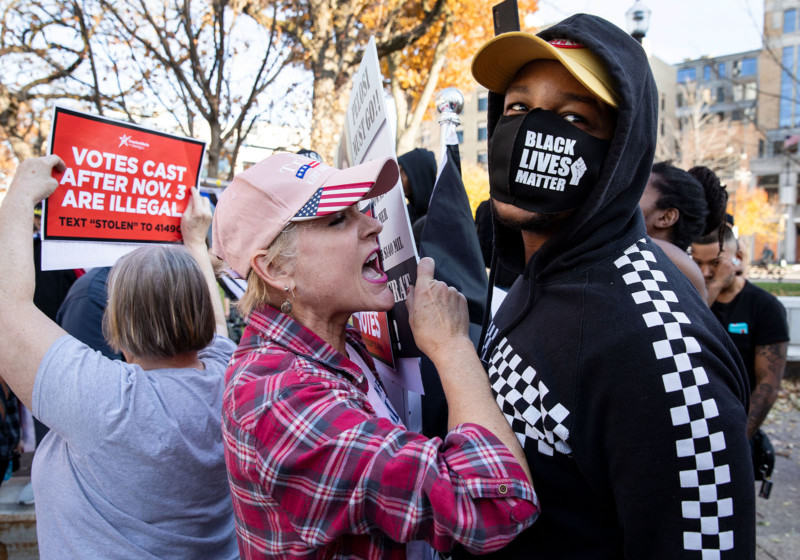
(770, 363)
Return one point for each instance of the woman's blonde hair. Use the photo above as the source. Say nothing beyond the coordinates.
(282, 251)
(159, 305)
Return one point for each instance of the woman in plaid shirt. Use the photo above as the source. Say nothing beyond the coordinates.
(318, 462)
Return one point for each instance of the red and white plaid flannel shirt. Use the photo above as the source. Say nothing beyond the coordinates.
(314, 473)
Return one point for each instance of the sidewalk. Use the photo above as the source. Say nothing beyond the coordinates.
(778, 519)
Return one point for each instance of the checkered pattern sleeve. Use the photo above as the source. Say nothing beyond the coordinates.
(312, 468)
(687, 444)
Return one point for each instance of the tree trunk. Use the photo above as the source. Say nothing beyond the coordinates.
(331, 93)
(213, 150)
(408, 131)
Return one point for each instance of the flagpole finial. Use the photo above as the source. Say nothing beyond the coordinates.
(449, 104)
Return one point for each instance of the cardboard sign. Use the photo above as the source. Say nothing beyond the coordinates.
(123, 182)
(367, 136)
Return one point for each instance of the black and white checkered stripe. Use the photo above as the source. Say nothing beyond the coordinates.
(491, 332)
(520, 396)
(706, 474)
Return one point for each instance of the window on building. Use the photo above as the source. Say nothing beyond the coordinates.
(679, 100)
(750, 91)
(761, 147)
(748, 67)
(483, 158)
(789, 21)
(663, 101)
(460, 135)
(483, 102)
(777, 148)
(686, 75)
(721, 94)
(796, 101)
(707, 72)
(721, 70)
(785, 103)
(738, 92)
(765, 181)
(482, 131)
(737, 115)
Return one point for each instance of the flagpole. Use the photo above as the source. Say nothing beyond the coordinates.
(449, 104)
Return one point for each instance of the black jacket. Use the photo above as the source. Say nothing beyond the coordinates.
(627, 395)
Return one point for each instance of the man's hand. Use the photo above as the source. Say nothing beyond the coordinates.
(34, 180)
(437, 313)
(196, 219)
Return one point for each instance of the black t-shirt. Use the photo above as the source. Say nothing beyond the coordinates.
(754, 318)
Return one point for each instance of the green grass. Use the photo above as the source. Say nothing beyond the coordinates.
(780, 288)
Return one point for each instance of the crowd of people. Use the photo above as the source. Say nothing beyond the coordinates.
(610, 409)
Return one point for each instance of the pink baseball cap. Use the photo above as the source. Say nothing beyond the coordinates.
(285, 188)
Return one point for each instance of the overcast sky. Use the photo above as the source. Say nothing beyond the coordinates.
(679, 29)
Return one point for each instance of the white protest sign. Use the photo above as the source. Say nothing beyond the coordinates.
(368, 136)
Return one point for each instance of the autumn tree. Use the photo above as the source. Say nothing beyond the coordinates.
(755, 216)
(476, 183)
(439, 59)
(328, 39)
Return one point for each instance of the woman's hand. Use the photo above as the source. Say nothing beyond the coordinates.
(437, 313)
(440, 323)
(33, 178)
(196, 219)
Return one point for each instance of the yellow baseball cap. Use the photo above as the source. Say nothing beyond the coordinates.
(499, 60)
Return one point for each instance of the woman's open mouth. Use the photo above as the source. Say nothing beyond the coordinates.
(371, 271)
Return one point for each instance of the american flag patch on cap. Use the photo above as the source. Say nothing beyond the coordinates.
(330, 199)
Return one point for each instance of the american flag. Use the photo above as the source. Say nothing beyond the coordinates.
(790, 143)
(332, 198)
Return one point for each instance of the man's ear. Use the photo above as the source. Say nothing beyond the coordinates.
(668, 218)
(275, 275)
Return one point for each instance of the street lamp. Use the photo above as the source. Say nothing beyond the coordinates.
(638, 20)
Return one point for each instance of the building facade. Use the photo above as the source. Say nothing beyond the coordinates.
(776, 168)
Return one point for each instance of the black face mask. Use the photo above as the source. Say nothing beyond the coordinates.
(541, 163)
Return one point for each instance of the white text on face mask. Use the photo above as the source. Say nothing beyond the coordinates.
(541, 181)
(545, 163)
(550, 143)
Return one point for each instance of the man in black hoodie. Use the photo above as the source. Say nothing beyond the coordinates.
(627, 396)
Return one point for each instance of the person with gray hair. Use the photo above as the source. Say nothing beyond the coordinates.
(320, 462)
(133, 464)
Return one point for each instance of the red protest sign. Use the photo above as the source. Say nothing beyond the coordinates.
(374, 328)
(122, 182)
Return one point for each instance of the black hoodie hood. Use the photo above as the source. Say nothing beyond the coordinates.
(611, 211)
(420, 167)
